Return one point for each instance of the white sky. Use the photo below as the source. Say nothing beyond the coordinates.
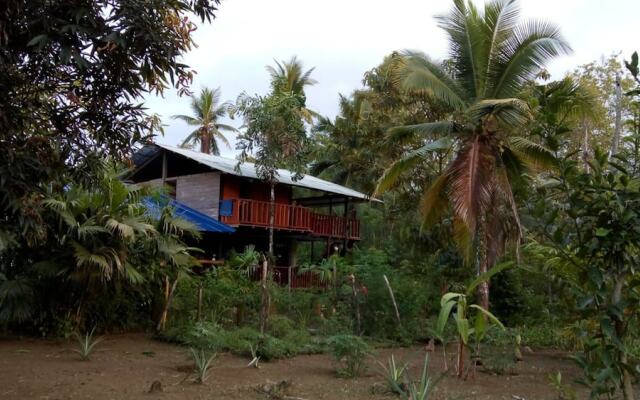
(344, 38)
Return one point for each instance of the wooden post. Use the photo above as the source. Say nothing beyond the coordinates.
(346, 226)
(164, 168)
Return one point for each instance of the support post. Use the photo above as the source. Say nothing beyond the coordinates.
(346, 226)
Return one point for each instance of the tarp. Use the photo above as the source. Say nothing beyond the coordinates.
(202, 221)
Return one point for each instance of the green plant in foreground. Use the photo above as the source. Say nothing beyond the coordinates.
(202, 362)
(565, 392)
(422, 389)
(351, 351)
(394, 374)
(86, 344)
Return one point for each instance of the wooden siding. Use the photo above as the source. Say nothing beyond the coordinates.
(201, 192)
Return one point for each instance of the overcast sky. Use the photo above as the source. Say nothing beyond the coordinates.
(344, 38)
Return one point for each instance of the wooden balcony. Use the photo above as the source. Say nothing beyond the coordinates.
(246, 212)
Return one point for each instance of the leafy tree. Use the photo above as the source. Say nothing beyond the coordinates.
(73, 74)
(492, 58)
(274, 137)
(590, 218)
(206, 110)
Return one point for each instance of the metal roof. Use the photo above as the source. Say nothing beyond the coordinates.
(247, 169)
(203, 222)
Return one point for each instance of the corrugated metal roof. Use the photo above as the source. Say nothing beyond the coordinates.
(203, 222)
(247, 169)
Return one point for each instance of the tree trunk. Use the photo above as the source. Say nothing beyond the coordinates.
(356, 305)
(483, 263)
(460, 361)
(618, 122)
(620, 326)
(393, 299)
(268, 263)
(205, 141)
(265, 299)
(199, 312)
(168, 293)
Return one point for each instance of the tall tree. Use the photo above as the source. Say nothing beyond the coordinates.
(492, 57)
(206, 109)
(274, 137)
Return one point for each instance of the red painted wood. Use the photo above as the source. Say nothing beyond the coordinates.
(292, 217)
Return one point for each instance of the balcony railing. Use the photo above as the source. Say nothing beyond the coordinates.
(289, 217)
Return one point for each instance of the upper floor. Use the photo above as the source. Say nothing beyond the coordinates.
(233, 194)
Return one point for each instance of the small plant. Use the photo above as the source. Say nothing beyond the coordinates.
(351, 351)
(394, 375)
(202, 362)
(422, 389)
(565, 392)
(86, 344)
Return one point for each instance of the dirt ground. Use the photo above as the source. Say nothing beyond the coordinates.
(125, 366)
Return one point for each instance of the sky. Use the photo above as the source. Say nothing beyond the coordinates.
(343, 39)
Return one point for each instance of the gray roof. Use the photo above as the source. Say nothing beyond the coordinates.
(247, 169)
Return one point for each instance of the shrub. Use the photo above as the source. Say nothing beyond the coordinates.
(280, 326)
(350, 352)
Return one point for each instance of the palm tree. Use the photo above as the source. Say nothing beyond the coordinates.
(206, 109)
(492, 57)
(341, 152)
(290, 76)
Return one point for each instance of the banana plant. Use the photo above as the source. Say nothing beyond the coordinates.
(471, 320)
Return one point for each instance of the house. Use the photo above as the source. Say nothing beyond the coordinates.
(230, 205)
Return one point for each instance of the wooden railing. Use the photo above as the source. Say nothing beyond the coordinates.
(291, 217)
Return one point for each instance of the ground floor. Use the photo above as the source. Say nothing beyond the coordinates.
(125, 367)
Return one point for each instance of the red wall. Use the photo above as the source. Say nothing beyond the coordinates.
(232, 185)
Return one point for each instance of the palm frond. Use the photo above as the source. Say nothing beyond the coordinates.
(415, 72)
(405, 134)
(408, 162)
(525, 52)
(470, 177)
(434, 201)
(511, 113)
(533, 154)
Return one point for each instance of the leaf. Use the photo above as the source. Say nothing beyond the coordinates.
(488, 314)
(602, 232)
(488, 275)
(38, 40)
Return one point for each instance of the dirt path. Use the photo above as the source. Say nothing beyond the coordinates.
(124, 367)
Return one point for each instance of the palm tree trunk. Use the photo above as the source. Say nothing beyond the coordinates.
(483, 263)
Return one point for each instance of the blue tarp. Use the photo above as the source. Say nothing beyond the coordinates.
(226, 208)
(202, 221)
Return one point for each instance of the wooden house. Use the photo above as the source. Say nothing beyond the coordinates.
(230, 205)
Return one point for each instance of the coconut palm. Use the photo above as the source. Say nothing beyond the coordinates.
(492, 57)
(206, 109)
(290, 76)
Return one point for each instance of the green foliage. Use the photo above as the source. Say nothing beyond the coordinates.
(350, 352)
(58, 125)
(202, 362)
(86, 344)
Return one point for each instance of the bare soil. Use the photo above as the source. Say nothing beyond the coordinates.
(125, 367)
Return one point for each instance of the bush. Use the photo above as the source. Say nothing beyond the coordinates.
(350, 352)
(280, 326)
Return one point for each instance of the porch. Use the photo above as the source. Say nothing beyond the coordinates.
(247, 212)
